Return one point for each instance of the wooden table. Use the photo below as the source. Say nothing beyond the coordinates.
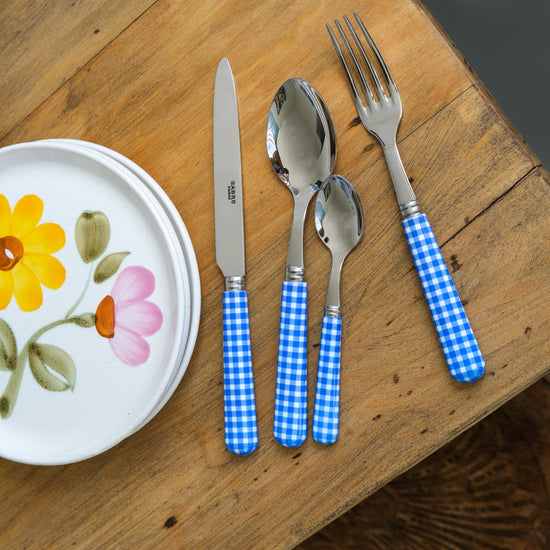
(138, 76)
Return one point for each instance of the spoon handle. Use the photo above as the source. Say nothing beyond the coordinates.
(290, 419)
(326, 411)
(457, 339)
(241, 431)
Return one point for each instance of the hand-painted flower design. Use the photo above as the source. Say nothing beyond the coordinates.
(26, 262)
(125, 316)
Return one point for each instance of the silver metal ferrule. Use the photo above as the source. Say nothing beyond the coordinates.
(234, 283)
(294, 274)
(409, 209)
(332, 311)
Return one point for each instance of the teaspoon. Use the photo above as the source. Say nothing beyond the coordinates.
(339, 224)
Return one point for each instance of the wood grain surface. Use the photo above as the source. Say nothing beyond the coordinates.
(486, 490)
(143, 85)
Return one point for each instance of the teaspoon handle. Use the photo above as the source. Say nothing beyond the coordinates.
(290, 418)
(326, 411)
(241, 430)
(456, 336)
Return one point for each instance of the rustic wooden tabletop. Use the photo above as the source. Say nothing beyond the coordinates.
(138, 77)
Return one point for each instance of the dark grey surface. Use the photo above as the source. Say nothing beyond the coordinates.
(507, 43)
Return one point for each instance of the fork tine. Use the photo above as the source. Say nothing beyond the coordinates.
(342, 59)
(372, 71)
(364, 82)
(377, 54)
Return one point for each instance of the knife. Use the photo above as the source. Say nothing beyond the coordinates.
(241, 431)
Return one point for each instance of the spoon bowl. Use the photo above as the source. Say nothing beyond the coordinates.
(339, 224)
(300, 136)
(301, 144)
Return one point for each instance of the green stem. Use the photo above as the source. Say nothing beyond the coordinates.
(77, 303)
(9, 397)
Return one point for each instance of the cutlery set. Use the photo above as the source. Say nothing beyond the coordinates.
(301, 145)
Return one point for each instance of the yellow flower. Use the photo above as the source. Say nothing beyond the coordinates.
(25, 253)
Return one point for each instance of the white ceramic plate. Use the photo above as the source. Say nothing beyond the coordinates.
(80, 392)
(185, 247)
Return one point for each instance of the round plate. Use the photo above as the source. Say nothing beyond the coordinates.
(93, 333)
(185, 246)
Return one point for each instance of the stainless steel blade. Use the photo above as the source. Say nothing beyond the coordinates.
(228, 204)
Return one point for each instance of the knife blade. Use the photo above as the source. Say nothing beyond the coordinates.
(241, 431)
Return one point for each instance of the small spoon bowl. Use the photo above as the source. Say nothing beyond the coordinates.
(339, 224)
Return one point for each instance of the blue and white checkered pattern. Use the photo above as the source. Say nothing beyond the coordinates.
(241, 431)
(290, 420)
(458, 342)
(327, 393)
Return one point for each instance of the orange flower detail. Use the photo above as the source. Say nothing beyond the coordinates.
(105, 317)
(26, 248)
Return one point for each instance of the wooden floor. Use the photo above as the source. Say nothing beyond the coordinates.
(487, 489)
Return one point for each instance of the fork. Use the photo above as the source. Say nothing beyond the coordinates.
(381, 114)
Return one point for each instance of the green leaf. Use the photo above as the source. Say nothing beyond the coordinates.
(5, 407)
(8, 347)
(52, 367)
(108, 266)
(92, 234)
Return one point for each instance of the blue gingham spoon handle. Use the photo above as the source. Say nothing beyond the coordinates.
(290, 419)
(458, 342)
(327, 393)
(241, 430)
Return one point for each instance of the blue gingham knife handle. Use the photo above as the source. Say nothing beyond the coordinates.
(241, 430)
(327, 392)
(458, 342)
(290, 419)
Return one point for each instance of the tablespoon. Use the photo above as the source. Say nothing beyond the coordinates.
(301, 144)
(339, 224)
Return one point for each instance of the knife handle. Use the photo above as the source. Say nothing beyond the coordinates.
(457, 339)
(290, 419)
(241, 430)
(327, 393)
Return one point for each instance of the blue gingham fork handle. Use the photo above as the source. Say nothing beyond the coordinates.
(327, 392)
(290, 419)
(458, 342)
(241, 431)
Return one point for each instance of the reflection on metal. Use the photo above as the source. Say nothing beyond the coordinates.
(339, 224)
(301, 144)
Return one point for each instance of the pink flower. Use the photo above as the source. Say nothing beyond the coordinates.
(125, 316)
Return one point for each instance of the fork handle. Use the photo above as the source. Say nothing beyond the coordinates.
(241, 430)
(457, 339)
(290, 419)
